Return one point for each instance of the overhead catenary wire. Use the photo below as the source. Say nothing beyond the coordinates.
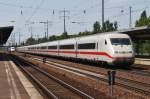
(54, 10)
(24, 7)
(76, 14)
(127, 13)
(80, 10)
(15, 5)
(35, 10)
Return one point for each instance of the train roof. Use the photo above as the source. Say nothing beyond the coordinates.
(107, 34)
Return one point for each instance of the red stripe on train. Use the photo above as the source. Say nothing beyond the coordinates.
(73, 52)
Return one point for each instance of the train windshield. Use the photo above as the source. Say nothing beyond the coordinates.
(120, 41)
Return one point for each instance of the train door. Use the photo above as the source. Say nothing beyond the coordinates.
(97, 48)
(58, 48)
(76, 49)
(101, 48)
(100, 45)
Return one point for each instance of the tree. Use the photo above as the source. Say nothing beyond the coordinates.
(144, 20)
(109, 26)
(146, 47)
(52, 38)
(22, 44)
(30, 41)
(84, 33)
(115, 26)
(41, 40)
(96, 27)
(64, 35)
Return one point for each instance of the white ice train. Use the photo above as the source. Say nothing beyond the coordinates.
(11, 49)
(112, 48)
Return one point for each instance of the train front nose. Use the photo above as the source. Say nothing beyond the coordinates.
(124, 56)
(122, 51)
(123, 60)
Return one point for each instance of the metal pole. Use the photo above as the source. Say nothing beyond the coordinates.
(111, 91)
(130, 18)
(47, 29)
(31, 32)
(19, 38)
(45, 35)
(111, 81)
(64, 20)
(14, 39)
(102, 13)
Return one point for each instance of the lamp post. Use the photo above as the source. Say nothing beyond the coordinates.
(13, 36)
(30, 28)
(81, 23)
(46, 23)
(77, 22)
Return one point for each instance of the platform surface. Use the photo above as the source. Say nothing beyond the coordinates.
(142, 61)
(13, 84)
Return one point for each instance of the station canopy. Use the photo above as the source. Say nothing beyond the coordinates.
(5, 33)
(138, 33)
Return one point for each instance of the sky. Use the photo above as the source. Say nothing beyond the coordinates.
(26, 15)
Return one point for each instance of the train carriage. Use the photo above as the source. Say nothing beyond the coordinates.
(113, 48)
(52, 48)
(67, 48)
(43, 48)
(87, 47)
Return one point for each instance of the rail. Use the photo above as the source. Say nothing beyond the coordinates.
(54, 78)
(127, 83)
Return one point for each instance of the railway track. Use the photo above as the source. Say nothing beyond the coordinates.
(52, 86)
(138, 87)
(138, 72)
(132, 70)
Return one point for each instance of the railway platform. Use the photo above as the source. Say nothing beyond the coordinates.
(13, 83)
(142, 61)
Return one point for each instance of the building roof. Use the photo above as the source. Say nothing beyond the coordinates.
(5, 33)
(138, 33)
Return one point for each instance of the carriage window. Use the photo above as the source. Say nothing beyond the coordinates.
(66, 46)
(86, 46)
(52, 47)
(120, 41)
(31, 48)
(43, 47)
(105, 42)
